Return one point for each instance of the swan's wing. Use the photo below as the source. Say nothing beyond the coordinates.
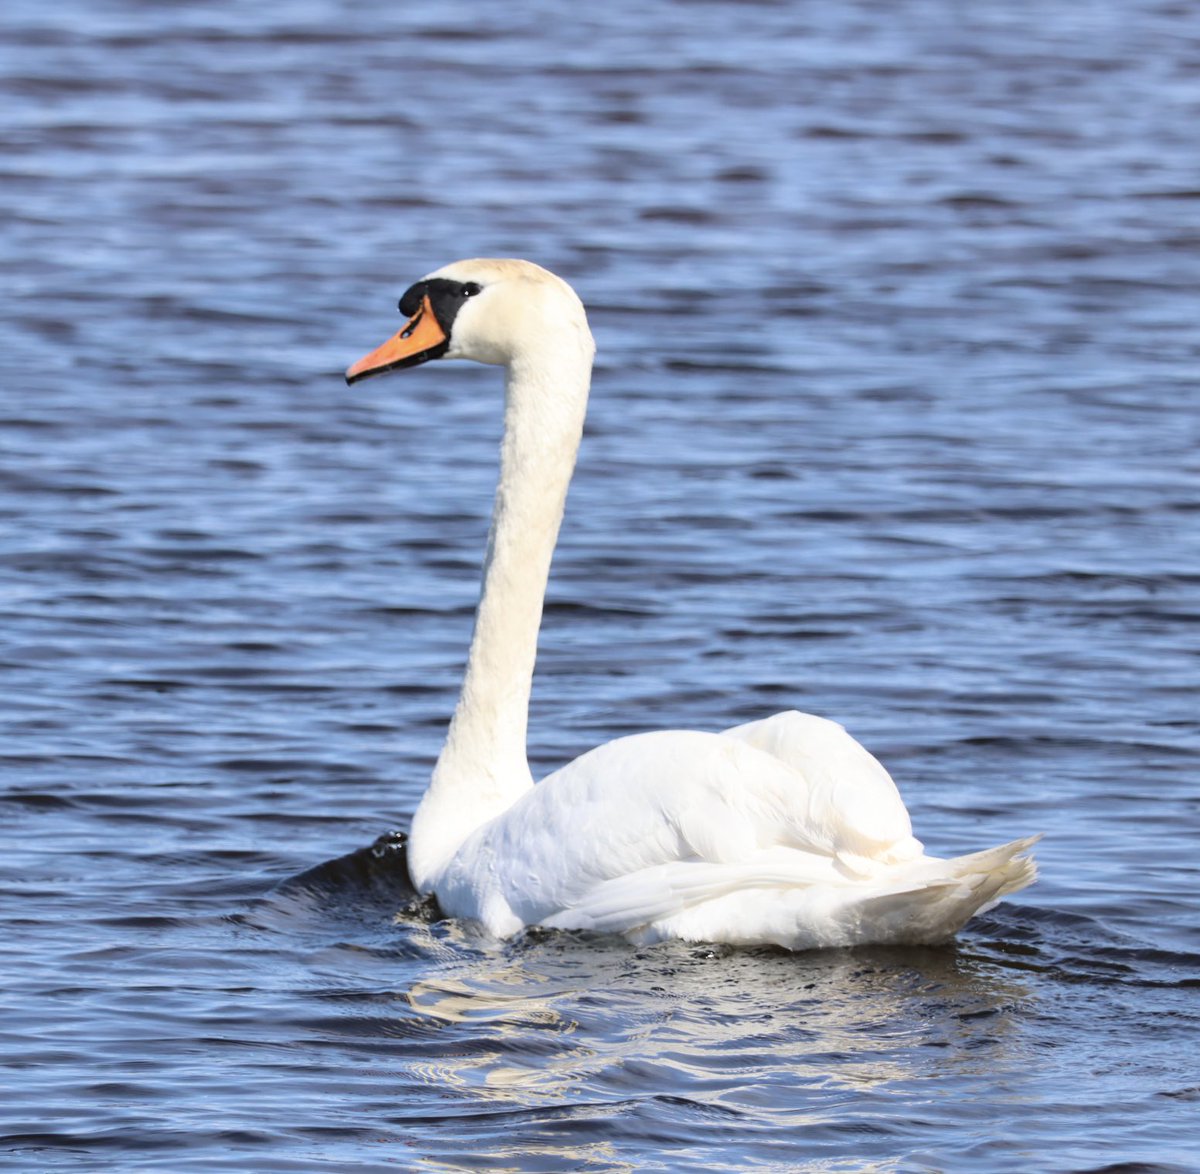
(800, 901)
(666, 890)
(603, 833)
(715, 837)
(626, 807)
(859, 793)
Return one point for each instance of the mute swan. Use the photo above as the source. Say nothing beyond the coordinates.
(781, 831)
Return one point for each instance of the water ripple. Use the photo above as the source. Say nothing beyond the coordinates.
(891, 421)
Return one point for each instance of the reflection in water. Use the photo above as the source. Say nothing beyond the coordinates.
(723, 1029)
(520, 1156)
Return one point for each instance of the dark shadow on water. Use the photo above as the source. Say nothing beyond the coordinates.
(367, 889)
(377, 874)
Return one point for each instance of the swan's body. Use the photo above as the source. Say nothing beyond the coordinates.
(784, 831)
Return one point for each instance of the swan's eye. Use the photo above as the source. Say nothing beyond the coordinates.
(471, 288)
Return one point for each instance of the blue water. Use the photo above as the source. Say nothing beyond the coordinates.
(895, 420)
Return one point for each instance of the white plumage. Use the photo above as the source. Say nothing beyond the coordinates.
(784, 830)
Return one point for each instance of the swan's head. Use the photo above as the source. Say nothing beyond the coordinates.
(492, 311)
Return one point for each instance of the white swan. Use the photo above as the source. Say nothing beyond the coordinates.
(782, 831)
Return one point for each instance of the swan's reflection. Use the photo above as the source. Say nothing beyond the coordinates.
(557, 1019)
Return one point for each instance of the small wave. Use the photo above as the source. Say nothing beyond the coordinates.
(1075, 947)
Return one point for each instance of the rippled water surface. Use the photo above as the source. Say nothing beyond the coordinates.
(895, 420)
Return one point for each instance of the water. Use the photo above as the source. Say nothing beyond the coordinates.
(894, 420)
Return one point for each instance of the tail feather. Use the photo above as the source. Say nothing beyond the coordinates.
(946, 894)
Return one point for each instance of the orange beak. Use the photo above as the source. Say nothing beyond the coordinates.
(421, 338)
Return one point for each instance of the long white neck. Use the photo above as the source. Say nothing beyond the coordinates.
(483, 768)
